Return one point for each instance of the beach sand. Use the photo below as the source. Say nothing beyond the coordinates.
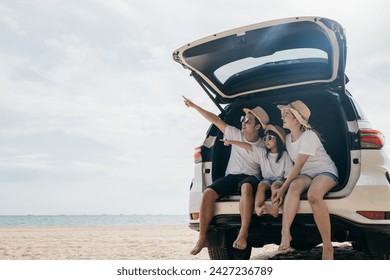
(127, 243)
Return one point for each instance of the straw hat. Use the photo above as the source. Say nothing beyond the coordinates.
(260, 114)
(300, 111)
(278, 130)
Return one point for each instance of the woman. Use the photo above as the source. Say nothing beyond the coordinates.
(313, 171)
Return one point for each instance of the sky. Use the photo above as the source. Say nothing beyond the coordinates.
(91, 115)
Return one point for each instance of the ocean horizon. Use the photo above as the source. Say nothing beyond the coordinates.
(90, 220)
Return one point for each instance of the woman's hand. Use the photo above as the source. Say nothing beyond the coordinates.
(278, 196)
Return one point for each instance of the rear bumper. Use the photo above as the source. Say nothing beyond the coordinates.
(266, 229)
(339, 223)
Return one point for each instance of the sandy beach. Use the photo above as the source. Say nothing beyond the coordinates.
(98, 243)
(127, 243)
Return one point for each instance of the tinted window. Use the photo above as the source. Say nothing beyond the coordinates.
(231, 69)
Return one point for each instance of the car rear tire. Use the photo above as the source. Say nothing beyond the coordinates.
(375, 245)
(227, 252)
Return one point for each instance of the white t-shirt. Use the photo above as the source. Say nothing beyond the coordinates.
(241, 161)
(270, 169)
(309, 144)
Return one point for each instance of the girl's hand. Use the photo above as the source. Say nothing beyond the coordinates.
(227, 142)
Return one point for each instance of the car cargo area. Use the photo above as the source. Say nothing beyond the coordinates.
(326, 118)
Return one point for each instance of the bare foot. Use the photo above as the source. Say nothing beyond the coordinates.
(327, 252)
(285, 242)
(200, 244)
(259, 210)
(273, 210)
(240, 242)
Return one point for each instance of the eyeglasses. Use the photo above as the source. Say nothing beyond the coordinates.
(245, 119)
(268, 138)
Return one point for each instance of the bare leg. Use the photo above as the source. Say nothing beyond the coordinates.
(246, 210)
(318, 188)
(290, 208)
(206, 214)
(274, 209)
(260, 198)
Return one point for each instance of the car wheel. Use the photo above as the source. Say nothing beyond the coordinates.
(374, 245)
(227, 252)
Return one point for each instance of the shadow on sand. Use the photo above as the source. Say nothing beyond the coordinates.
(342, 251)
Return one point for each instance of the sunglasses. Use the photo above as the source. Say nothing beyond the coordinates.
(268, 138)
(245, 119)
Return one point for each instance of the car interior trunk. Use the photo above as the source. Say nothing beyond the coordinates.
(326, 118)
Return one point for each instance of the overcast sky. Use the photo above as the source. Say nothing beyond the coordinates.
(91, 115)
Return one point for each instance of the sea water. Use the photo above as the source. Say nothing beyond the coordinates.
(91, 220)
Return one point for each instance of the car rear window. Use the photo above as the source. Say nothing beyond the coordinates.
(234, 68)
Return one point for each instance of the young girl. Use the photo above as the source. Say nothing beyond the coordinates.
(313, 171)
(275, 164)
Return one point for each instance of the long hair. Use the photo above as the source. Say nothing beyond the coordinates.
(279, 145)
(304, 128)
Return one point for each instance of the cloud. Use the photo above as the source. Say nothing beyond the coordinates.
(7, 17)
(91, 116)
(121, 7)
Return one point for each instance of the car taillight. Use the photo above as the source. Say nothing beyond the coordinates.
(198, 155)
(371, 139)
(194, 216)
(375, 215)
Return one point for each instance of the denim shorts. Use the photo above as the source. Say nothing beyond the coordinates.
(333, 176)
(272, 180)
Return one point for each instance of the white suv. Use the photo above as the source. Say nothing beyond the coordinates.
(277, 62)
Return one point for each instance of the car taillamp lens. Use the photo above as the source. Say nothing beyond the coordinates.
(371, 139)
(198, 155)
(373, 215)
(194, 216)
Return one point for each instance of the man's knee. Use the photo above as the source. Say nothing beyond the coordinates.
(246, 189)
(210, 194)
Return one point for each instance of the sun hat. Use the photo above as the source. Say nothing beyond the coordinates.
(278, 130)
(260, 114)
(300, 111)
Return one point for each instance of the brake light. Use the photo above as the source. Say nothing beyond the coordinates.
(371, 139)
(198, 155)
(374, 215)
(194, 216)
